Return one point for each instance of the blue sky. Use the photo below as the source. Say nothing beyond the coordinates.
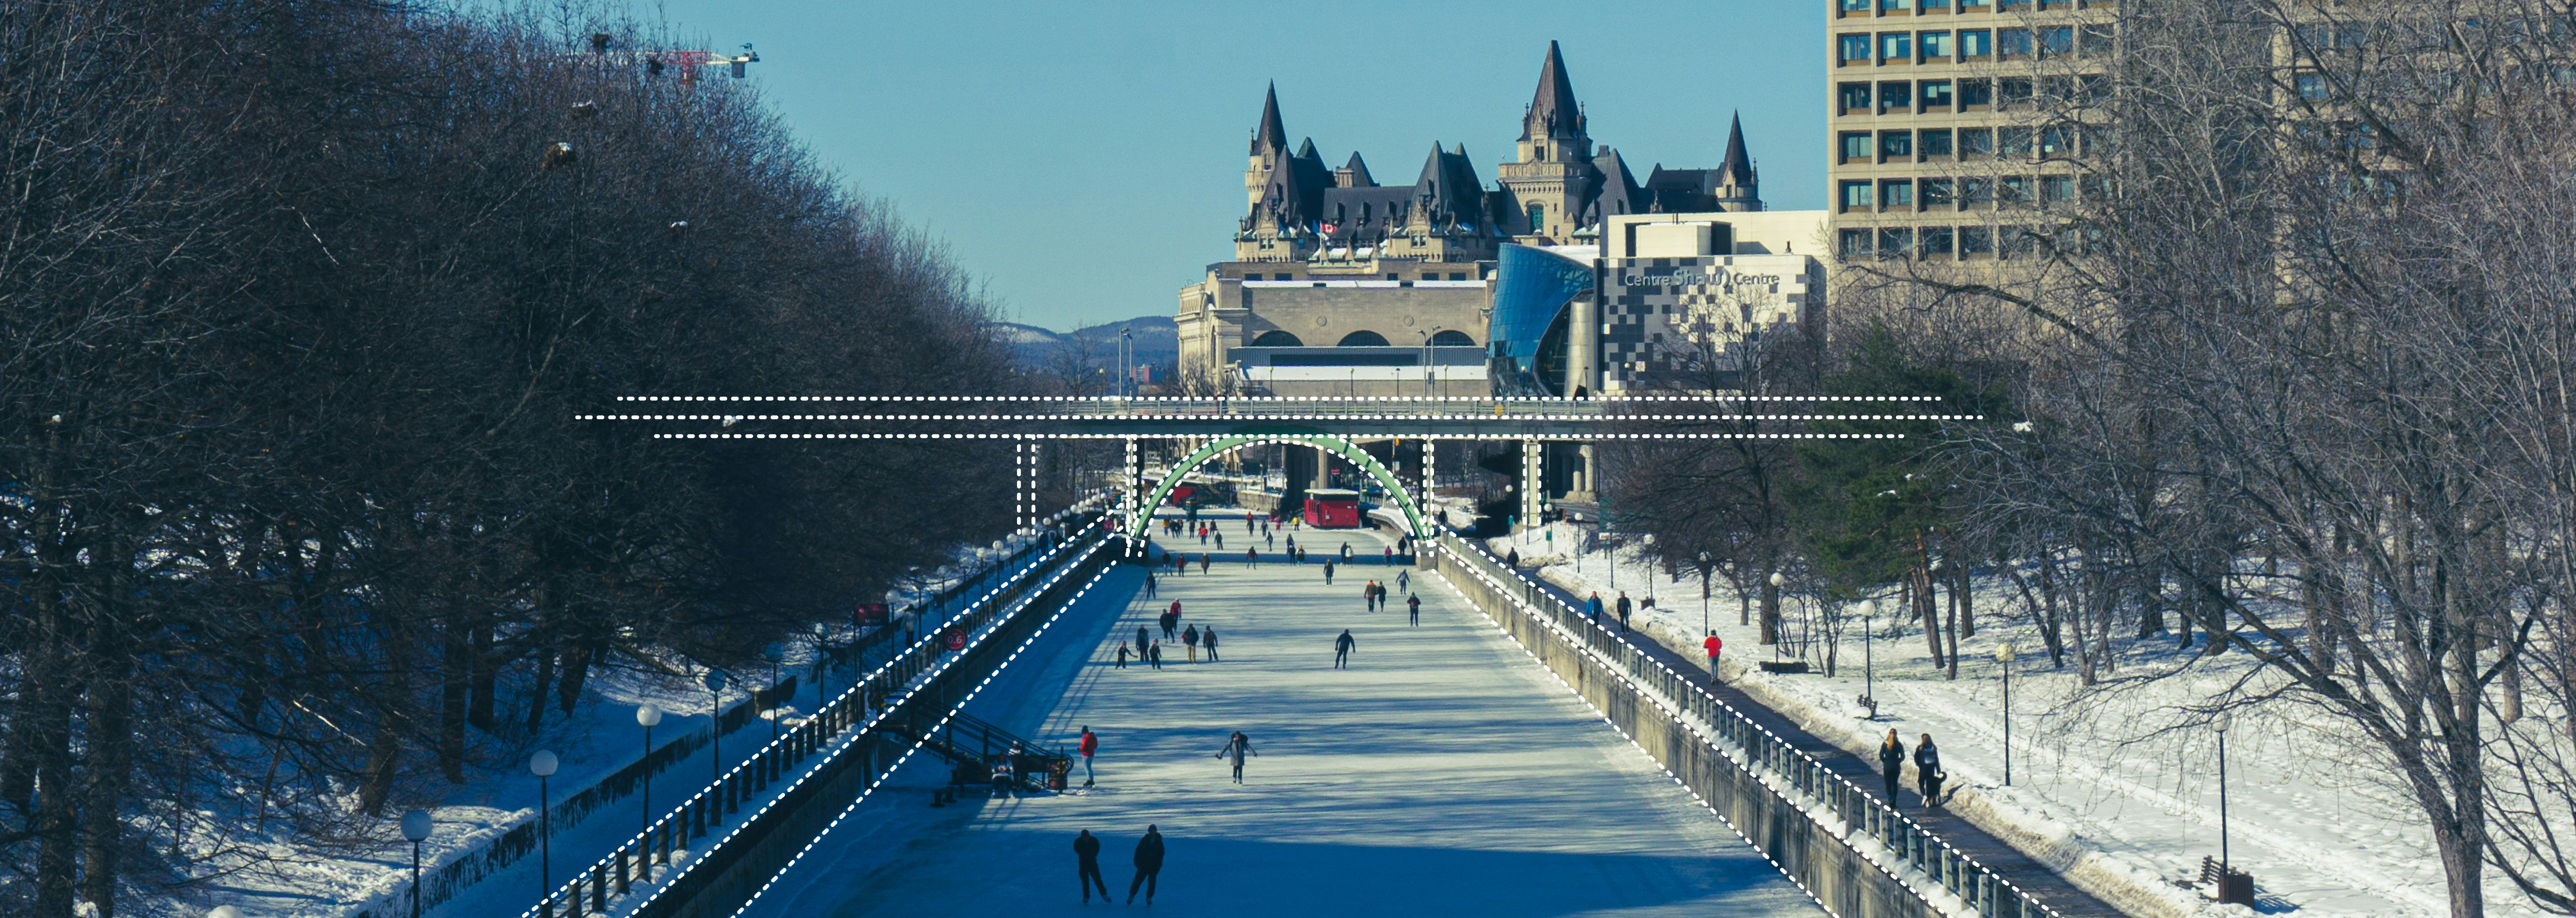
(1086, 159)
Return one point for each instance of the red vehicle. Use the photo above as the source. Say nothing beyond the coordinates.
(1333, 508)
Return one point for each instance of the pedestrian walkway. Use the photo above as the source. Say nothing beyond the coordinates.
(2044, 884)
(1444, 772)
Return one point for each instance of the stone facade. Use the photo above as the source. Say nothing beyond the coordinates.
(1324, 254)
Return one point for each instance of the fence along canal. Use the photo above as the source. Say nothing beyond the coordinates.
(1851, 852)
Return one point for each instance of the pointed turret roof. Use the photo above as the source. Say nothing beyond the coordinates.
(1306, 150)
(1553, 113)
(1449, 190)
(1620, 193)
(1271, 135)
(1359, 172)
(1738, 167)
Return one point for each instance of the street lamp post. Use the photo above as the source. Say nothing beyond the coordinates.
(2004, 658)
(1648, 540)
(543, 765)
(648, 716)
(715, 731)
(1771, 616)
(2223, 868)
(1868, 659)
(415, 827)
(1704, 629)
(776, 654)
(1428, 363)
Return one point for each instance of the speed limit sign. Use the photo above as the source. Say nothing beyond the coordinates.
(956, 638)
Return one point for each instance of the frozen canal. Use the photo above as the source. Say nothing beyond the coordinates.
(1444, 772)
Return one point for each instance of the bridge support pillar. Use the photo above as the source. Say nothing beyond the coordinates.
(1533, 483)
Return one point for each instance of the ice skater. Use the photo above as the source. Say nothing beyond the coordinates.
(1252, 558)
(1342, 650)
(1154, 655)
(1149, 584)
(1328, 572)
(1086, 853)
(1122, 655)
(1413, 608)
(1403, 581)
(1207, 639)
(1140, 642)
(1149, 862)
(1190, 641)
(1236, 747)
(1090, 744)
(1927, 771)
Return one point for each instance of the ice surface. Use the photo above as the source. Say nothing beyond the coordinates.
(1443, 773)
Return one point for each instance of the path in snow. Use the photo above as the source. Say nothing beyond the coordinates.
(1444, 771)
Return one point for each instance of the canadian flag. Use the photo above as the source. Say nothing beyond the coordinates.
(1330, 228)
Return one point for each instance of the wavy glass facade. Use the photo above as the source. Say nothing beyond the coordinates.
(1525, 339)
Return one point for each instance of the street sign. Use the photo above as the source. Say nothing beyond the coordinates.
(956, 638)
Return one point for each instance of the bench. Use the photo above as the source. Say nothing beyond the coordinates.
(2233, 887)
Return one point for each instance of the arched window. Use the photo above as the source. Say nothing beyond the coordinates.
(1362, 339)
(1452, 338)
(1277, 338)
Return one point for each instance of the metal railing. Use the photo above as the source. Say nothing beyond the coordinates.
(1762, 754)
(649, 856)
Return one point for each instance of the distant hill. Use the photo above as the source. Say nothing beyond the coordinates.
(1156, 340)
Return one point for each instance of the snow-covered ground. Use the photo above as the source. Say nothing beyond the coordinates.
(1443, 773)
(2106, 788)
(597, 739)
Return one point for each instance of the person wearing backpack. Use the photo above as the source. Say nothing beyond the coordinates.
(1927, 771)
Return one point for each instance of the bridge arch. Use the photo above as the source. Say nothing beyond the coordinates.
(1418, 524)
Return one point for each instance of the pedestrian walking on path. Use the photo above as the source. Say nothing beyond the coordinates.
(1342, 650)
(1328, 572)
(1513, 560)
(1149, 862)
(1090, 744)
(1154, 654)
(1592, 609)
(1086, 853)
(1927, 771)
(1713, 645)
(1624, 606)
(1413, 607)
(1891, 763)
(1190, 640)
(1237, 746)
(1122, 655)
(1207, 638)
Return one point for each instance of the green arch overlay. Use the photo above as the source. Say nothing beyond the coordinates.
(1331, 444)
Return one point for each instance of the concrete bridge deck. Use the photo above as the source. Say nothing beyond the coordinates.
(1443, 773)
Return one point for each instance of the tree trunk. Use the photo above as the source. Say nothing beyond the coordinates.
(537, 687)
(576, 668)
(110, 736)
(1963, 595)
(1954, 634)
(456, 675)
(479, 707)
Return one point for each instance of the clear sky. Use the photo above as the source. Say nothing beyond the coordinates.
(1086, 158)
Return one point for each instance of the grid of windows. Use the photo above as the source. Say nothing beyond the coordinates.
(1947, 122)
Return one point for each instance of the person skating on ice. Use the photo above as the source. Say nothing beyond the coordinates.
(1154, 655)
(1090, 744)
(1413, 605)
(1190, 641)
(1207, 639)
(1236, 747)
(1086, 853)
(1122, 655)
(1342, 650)
(1149, 862)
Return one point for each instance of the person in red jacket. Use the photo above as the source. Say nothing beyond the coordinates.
(1090, 744)
(1714, 645)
